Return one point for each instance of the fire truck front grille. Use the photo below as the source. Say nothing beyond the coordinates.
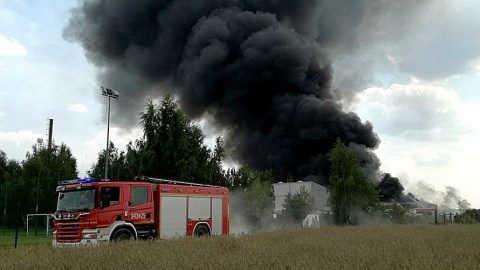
(68, 235)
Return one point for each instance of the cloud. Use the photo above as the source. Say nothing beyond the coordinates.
(2, 114)
(16, 144)
(392, 60)
(430, 156)
(87, 152)
(377, 44)
(443, 42)
(78, 108)
(416, 111)
(11, 47)
(20, 136)
(476, 66)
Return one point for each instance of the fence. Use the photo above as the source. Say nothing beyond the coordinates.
(452, 218)
(26, 230)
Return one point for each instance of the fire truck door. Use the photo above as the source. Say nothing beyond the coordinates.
(141, 205)
(111, 205)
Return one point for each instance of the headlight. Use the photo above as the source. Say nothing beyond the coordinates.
(89, 236)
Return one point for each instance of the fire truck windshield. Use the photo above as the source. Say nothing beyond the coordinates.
(76, 200)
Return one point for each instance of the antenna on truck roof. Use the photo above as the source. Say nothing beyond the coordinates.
(174, 182)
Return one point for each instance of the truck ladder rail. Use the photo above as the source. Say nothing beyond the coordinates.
(175, 182)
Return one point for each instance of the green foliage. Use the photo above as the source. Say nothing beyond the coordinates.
(470, 216)
(42, 170)
(238, 178)
(299, 205)
(257, 192)
(10, 178)
(166, 149)
(395, 213)
(32, 182)
(399, 214)
(172, 147)
(118, 168)
(350, 191)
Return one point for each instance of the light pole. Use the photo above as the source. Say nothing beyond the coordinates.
(110, 94)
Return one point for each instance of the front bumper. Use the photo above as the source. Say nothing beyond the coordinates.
(83, 242)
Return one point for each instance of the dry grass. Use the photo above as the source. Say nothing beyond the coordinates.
(372, 247)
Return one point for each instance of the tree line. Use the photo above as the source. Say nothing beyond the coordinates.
(29, 185)
(173, 147)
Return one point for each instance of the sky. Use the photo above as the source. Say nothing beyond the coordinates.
(416, 81)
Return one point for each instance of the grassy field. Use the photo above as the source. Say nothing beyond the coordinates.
(7, 238)
(369, 247)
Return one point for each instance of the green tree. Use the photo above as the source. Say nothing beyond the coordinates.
(252, 193)
(42, 170)
(172, 147)
(470, 216)
(350, 191)
(399, 214)
(215, 171)
(3, 172)
(32, 183)
(3, 166)
(117, 169)
(299, 204)
(259, 196)
(10, 176)
(240, 178)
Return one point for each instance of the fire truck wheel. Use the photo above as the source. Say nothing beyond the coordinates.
(122, 234)
(201, 230)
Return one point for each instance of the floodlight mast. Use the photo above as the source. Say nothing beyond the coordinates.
(110, 94)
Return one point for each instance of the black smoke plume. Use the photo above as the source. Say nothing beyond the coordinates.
(255, 69)
(390, 188)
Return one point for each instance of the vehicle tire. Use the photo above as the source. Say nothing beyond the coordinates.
(122, 234)
(201, 231)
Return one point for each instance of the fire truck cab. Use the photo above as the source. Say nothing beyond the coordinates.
(90, 212)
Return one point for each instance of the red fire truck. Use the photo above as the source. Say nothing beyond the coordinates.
(91, 212)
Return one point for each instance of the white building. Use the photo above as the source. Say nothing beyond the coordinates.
(318, 192)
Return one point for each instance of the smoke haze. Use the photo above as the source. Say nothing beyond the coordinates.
(259, 71)
(447, 200)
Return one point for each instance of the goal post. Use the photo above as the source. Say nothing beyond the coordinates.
(43, 217)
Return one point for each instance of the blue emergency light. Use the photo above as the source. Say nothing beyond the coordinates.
(86, 180)
(76, 181)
